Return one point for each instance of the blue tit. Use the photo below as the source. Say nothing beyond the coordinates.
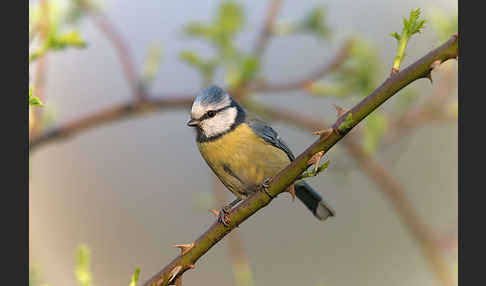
(242, 150)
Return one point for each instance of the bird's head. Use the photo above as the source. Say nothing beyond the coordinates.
(214, 113)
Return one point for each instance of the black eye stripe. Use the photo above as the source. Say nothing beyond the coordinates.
(206, 115)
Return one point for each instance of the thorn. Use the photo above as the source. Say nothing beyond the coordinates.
(191, 266)
(184, 247)
(429, 76)
(316, 159)
(215, 212)
(435, 64)
(174, 272)
(323, 132)
(457, 57)
(316, 165)
(339, 109)
(291, 190)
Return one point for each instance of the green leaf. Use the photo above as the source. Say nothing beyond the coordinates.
(413, 24)
(56, 43)
(135, 276)
(68, 39)
(359, 74)
(151, 64)
(228, 22)
(34, 100)
(348, 122)
(191, 58)
(59, 15)
(205, 67)
(39, 52)
(72, 38)
(250, 66)
(311, 173)
(315, 23)
(230, 17)
(82, 269)
(241, 71)
(220, 32)
(200, 30)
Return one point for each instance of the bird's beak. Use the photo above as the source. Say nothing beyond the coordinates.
(193, 123)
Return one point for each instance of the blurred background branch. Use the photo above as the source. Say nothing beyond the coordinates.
(120, 44)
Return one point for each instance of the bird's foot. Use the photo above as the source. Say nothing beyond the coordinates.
(223, 215)
(264, 186)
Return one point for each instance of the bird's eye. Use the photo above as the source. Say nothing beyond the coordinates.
(211, 113)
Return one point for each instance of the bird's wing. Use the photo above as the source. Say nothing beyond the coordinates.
(270, 136)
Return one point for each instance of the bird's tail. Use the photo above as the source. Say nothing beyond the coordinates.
(313, 201)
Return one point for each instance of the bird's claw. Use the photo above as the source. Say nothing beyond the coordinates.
(264, 186)
(226, 209)
(223, 216)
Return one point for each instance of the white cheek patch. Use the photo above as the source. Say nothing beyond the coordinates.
(199, 110)
(220, 123)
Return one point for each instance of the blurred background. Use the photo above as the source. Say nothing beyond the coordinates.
(130, 188)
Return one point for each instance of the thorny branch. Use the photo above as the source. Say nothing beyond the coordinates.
(420, 69)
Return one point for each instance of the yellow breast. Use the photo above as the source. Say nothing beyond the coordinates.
(242, 160)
